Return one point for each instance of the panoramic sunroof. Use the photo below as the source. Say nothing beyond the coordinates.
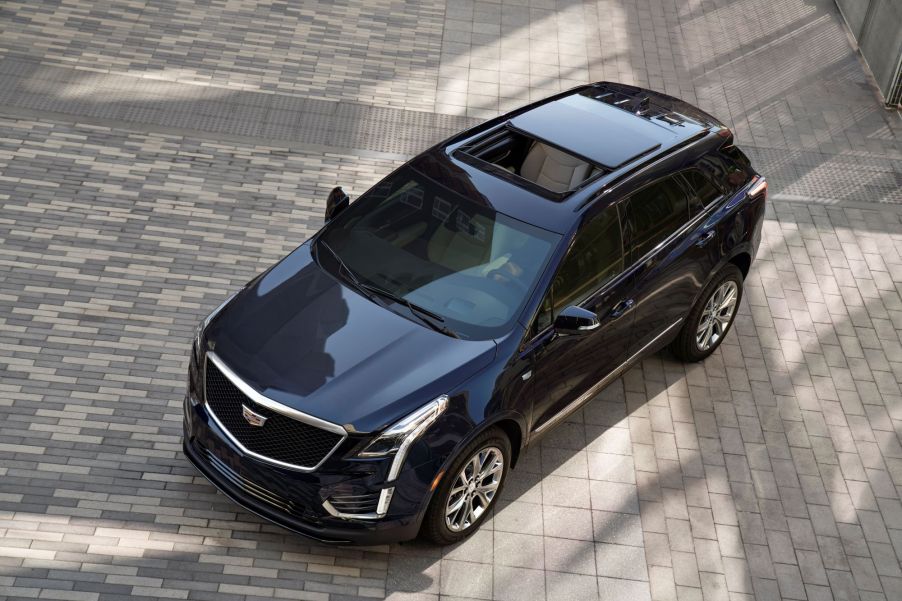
(591, 129)
(530, 162)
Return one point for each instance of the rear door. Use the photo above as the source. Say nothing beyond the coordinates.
(673, 249)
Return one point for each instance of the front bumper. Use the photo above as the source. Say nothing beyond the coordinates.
(294, 500)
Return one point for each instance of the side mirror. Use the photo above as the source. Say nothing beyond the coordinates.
(336, 203)
(575, 320)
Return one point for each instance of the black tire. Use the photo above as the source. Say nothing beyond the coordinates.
(686, 346)
(434, 527)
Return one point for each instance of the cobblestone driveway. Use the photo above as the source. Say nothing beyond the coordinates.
(154, 156)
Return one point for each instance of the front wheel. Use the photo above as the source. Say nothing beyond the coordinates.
(710, 319)
(469, 489)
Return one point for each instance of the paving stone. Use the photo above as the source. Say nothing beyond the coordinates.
(513, 584)
(615, 588)
(463, 579)
(620, 561)
(156, 156)
(519, 550)
(568, 555)
(566, 587)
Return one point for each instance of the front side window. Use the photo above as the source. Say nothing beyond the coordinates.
(595, 258)
(654, 213)
(452, 255)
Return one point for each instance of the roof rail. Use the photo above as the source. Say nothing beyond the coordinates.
(634, 100)
(620, 178)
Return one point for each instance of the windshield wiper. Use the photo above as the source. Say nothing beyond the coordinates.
(425, 315)
(352, 277)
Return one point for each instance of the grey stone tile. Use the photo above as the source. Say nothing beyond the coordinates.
(567, 492)
(621, 528)
(519, 550)
(614, 496)
(408, 573)
(513, 584)
(464, 579)
(477, 547)
(615, 588)
(568, 522)
(620, 561)
(516, 516)
(568, 555)
(790, 581)
(560, 586)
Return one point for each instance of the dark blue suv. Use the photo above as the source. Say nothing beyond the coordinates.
(382, 380)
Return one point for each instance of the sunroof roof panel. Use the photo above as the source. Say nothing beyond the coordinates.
(594, 130)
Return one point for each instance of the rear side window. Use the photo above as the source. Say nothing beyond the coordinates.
(654, 213)
(737, 168)
(595, 258)
(728, 168)
(703, 191)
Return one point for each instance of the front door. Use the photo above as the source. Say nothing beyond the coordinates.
(560, 370)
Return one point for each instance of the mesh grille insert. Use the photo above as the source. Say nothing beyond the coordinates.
(281, 437)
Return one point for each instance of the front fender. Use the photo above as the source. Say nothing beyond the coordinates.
(472, 409)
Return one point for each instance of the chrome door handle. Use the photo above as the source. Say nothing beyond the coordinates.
(705, 238)
(622, 307)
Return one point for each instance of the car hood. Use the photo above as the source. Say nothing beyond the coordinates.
(300, 337)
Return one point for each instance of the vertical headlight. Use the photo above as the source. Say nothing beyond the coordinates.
(398, 437)
(196, 361)
(199, 332)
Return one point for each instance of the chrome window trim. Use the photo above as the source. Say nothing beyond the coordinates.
(598, 386)
(258, 398)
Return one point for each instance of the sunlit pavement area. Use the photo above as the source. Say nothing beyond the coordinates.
(156, 155)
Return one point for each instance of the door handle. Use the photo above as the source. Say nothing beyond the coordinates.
(622, 307)
(705, 238)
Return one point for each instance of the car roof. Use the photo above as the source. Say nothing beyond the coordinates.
(619, 128)
(604, 134)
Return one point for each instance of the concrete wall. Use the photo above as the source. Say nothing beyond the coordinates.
(877, 25)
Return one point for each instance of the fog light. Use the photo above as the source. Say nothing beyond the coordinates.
(364, 506)
(385, 500)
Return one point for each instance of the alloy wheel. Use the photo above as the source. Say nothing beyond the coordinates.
(474, 489)
(716, 317)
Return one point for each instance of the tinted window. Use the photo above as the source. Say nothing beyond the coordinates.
(595, 258)
(704, 191)
(438, 249)
(654, 213)
(736, 168)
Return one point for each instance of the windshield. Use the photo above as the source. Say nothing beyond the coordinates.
(455, 257)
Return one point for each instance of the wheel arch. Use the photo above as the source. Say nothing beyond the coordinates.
(512, 429)
(742, 260)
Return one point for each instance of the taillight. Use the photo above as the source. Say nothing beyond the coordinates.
(759, 186)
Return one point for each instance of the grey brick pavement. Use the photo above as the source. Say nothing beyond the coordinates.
(156, 155)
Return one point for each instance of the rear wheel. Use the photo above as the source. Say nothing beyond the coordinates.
(468, 489)
(712, 316)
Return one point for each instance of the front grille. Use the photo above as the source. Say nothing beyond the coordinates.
(355, 504)
(281, 438)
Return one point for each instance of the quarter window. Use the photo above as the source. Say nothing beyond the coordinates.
(704, 192)
(654, 213)
(595, 258)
